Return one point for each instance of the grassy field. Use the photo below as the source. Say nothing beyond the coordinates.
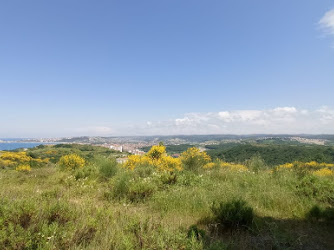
(103, 205)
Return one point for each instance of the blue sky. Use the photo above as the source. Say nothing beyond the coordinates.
(168, 67)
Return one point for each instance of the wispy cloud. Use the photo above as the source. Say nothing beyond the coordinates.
(327, 22)
(277, 121)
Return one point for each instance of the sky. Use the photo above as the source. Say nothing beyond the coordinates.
(108, 68)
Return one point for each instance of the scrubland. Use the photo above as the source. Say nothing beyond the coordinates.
(89, 201)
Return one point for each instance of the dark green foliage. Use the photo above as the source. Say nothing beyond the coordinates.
(315, 212)
(321, 214)
(217, 245)
(55, 152)
(271, 154)
(233, 214)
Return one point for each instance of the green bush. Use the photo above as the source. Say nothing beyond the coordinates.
(188, 178)
(140, 190)
(144, 171)
(119, 186)
(233, 214)
(35, 225)
(168, 178)
(108, 167)
(86, 172)
(256, 163)
(318, 188)
(131, 188)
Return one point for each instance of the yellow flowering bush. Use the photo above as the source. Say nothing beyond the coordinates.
(209, 165)
(155, 157)
(324, 172)
(71, 162)
(326, 165)
(194, 159)
(23, 168)
(312, 167)
(156, 152)
(133, 161)
(233, 167)
(14, 159)
(286, 166)
(170, 164)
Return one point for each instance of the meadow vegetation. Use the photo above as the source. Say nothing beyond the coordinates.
(83, 199)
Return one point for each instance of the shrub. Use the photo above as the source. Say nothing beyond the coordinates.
(157, 158)
(193, 159)
(88, 171)
(23, 168)
(256, 163)
(324, 172)
(168, 178)
(169, 164)
(71, 162)
(157, 152)
(317, 213)
(144, 171)
(120, 186)
(107, 167)
(321, 189)
(233, 167)
(60, 213)
(187, 178)
(233, 214)
(140, 191)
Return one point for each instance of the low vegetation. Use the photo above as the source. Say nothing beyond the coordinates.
(83, 199)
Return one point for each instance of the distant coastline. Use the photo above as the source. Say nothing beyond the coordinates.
(11, 145)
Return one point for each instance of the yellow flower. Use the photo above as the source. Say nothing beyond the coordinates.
(285, 166)
(71, 161)
(23, 168)
(170, 164)
(234, 167)
(209, 165)
(194, 159)
(324, 172)
(133, 161)
(311, 164)
(156, 157)
(156, 152)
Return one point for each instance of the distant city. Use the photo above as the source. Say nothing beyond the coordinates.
(135, 144)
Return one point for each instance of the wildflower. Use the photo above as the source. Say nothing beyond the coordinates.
(23, 168)
(71, 162)
(324, 172)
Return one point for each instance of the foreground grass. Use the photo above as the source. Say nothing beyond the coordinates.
(142, 209)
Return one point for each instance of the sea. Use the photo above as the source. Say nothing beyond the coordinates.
(11, 144)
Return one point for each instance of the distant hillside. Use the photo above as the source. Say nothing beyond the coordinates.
(272, 154)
